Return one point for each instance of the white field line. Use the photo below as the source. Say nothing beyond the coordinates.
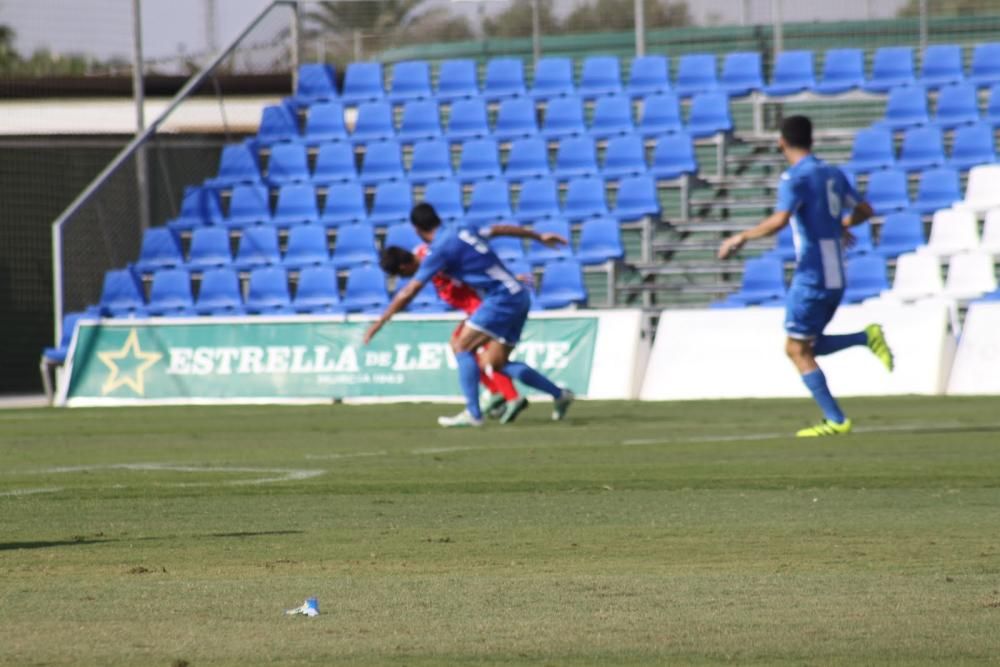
(29, 492)
(275, 474)
(353, 455)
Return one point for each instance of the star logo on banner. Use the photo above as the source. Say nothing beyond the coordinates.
(127, 366)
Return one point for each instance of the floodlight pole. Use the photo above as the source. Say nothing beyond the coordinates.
(923, 25)
(640, 28)
(296, 43)
(536, 31)
(779, 30)
(138, 91)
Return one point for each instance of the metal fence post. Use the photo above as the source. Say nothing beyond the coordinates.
(923, 25)
(640, 28)
(296, 43)
(536, 31)
(138, 91)
(779, 31)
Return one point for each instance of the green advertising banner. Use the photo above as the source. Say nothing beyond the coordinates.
(146, 361)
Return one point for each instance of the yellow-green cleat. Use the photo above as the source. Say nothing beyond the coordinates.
(878, 345)
(825, 427)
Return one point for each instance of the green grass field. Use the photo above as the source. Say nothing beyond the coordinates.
(670, 533)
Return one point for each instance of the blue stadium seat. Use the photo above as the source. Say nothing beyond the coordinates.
(892, 67)
(600, 241)
(249, 205)
(862, 243)
(355, 245)
(957, 105)
(696, 74)
(431, 161)
(612, 117)
(504, 78)
(576, 156)
(374, 123)
(258, 246)
(457, 80)
(402, 235)
(600, 75)
(625, 155)
(170, 293)
(307, 245)
(901, 233)
(468, 120)
(873, 149)
(923, 147)
(742, 73)
(985, 69)
(480, 159)
(888, 191)
(528, 158)
(784, 245)
(289, 163)
(121, 295)
(489, 202)
(267, 291)
(160, 249)
(296, 205)
(392, 203)
(209, 248)
(345, 203)
(709, 115)
(661, 114)
(553, 78)
(562, 285)
(843, 71)
(539, 199)
(637, 199)
(335, 163)
(365, 290)
(508, 248)
(421, 120)
(906, 107)
(383, 161)
(539, 253)
(446, 198)
(317, 82)
(219, 293)
(992, 115)
(866, 278)
(411, 80)
(57, 355)
(362, 83)
(648, 75)
(939, 188)
(673, 157)
(325, 123)
(972, 145)
(763, 280)
(793, 73)
(563, 118)
(317, 291)
(237, 164)
(585, 199)
(277, 123)
(199, 206)
(942, 65)
(516, 119)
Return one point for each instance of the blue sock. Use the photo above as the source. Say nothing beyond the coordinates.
(829, 344)
(468, 379)
(529, 376)
(816, 382)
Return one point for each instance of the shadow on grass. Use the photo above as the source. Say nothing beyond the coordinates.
(12, 546)
(259, 533)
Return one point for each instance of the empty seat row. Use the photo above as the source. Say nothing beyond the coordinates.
(874, 148)
(889, 191)
(957, 104)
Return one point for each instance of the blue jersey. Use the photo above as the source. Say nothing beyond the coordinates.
(462, 253)
(818, 196)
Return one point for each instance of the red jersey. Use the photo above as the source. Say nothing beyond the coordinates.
(455, 293)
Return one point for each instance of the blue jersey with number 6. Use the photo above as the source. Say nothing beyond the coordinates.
(462, 253)
(818, 196)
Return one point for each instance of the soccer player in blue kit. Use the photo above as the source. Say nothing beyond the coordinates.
(462, 253)
(821, 204)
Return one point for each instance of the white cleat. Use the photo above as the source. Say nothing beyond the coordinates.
(561, 405)
(462, 420)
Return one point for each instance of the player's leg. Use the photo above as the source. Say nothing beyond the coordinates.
(505, 404)
(464, 346)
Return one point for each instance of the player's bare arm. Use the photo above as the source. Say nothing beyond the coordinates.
(399, 302)
(768, 226)
(861, 212)
(549, 239)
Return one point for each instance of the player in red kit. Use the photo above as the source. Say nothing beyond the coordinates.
(505, 402)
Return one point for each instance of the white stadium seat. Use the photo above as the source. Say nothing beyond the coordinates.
(918, 275)
(991, 232)
(970, 275)
(953, 231)
(983, 190)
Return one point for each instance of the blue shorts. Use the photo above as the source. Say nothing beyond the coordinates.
(808, 310)
(502, 316)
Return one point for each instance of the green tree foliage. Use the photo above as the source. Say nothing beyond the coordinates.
(618, 15)
(951, 7)
(516, 20)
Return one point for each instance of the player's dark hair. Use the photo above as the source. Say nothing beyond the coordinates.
(797, 131)
(424, 217)
(394, 257)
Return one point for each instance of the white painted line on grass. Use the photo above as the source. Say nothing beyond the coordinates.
(30, 492)
(354, 455)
